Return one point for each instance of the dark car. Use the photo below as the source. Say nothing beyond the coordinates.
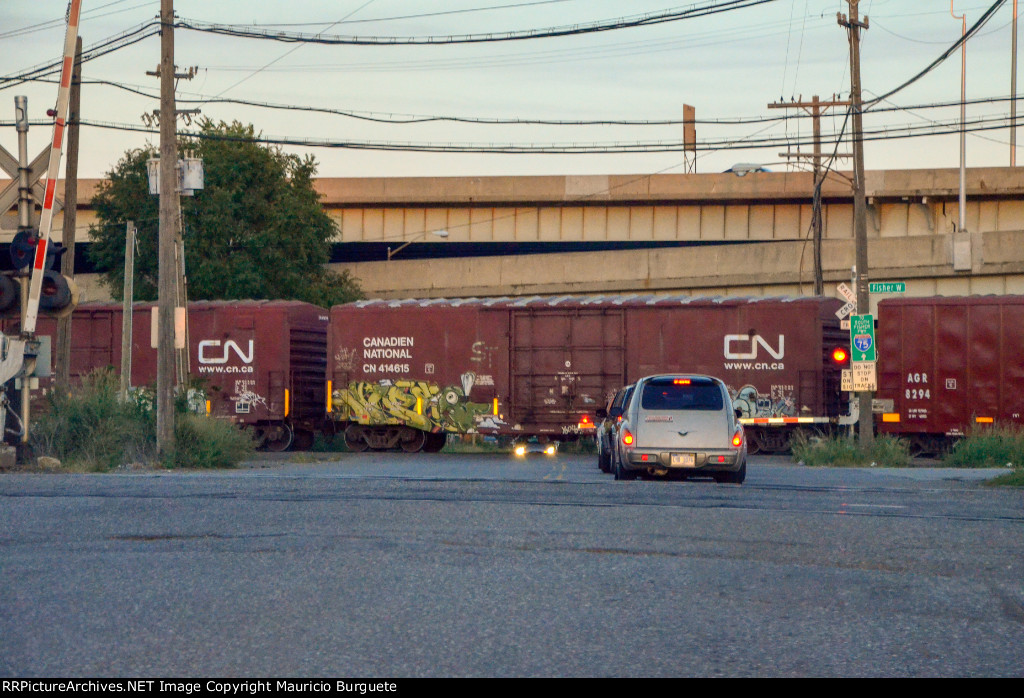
(607, 430)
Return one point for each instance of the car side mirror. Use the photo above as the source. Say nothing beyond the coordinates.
(739, 413)
(615, 412)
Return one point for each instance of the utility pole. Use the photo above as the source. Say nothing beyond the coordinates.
(126, 308)
(815, 106)
(860, 225)
(63, 349)
(1013, 90)
(963, 122)
(168, 231)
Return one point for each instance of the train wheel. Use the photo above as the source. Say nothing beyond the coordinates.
(753, 443)
(416, 441)
(303, 440)
(279, 438)
(435, 442)
(354, 440)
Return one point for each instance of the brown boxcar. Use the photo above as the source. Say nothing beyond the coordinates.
(262, 364)
(405, 373)
(948, 363)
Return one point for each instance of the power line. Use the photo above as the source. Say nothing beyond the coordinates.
(649, 19)
(945, 54)
(407, 119)
(984, 123)
(61, 22)
(422, 15)
(104, 47)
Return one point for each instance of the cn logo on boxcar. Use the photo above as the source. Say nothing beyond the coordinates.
(208, 354)
(731, 339)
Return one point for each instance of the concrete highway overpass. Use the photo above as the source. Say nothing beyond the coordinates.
(700, 234)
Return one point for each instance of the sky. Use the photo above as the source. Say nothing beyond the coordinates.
(730, 66)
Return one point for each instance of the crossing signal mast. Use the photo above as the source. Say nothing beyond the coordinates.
(19, 352)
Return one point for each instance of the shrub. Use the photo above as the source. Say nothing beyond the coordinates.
(202, 442)
(846, 451)
(988, 448)
(91, 428)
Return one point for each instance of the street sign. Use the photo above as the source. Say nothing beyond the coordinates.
(846, 293)
(865, 376)
(846, 380)
(846, 310)
(862, 338)
(887, 287)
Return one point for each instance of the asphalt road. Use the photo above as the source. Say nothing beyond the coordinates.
(399, 565)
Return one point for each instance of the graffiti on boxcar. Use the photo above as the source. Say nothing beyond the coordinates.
(245, 398)
(482, 354)
(345, 359)
(416, 403)
(778, 403)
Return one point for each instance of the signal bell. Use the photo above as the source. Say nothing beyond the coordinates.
(59, 295)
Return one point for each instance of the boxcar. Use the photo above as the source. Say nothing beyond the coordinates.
(406, 373)
(261, 364)
(946, 364)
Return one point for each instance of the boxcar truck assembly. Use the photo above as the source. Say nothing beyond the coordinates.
(949, 364)
(407, 373)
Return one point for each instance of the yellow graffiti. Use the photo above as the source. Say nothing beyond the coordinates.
(418, 404)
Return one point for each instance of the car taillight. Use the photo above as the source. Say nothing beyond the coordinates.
(627, 437)
(737, 438)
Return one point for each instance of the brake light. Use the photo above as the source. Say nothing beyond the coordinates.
(681, 381)
(627, 437)
(737, 438)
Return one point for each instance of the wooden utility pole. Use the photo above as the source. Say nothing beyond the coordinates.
(168, 231)
(1013, 90)
(67, 264)
(815, 106)
(126, 308)
(860, 225)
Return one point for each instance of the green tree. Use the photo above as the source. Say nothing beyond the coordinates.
(257, 229)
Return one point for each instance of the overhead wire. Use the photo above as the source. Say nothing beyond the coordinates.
(982, 21)
(405, 119)
(649, 19)
(982, 123)
(102, 48)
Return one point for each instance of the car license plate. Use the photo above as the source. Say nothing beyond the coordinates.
(684, 460)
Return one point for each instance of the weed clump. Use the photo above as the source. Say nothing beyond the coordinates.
(991, 447)
(846, 451)
(91, 428)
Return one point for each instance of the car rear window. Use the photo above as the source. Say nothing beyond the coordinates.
(666, 395)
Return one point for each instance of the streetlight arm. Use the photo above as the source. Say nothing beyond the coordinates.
(398, 249)
(393, 252)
